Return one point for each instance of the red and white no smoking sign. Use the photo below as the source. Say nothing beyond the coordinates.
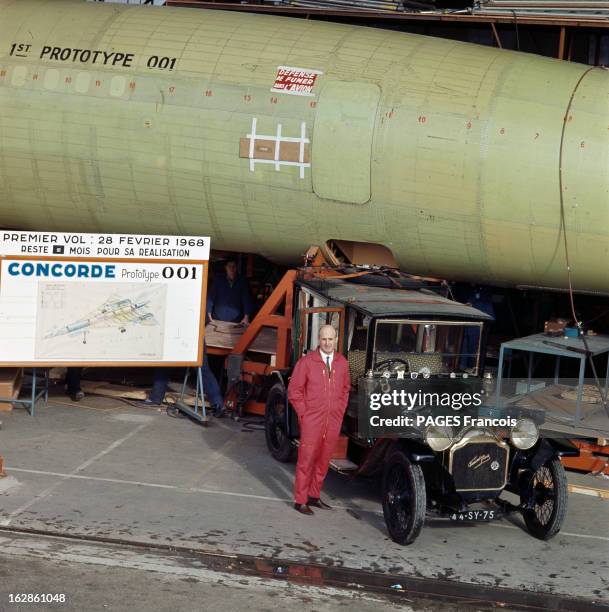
(295, 81)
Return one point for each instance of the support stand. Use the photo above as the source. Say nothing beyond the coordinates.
(199, 412)
(39, 387)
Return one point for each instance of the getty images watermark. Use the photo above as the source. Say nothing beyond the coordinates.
(410, 407)
(394, 409)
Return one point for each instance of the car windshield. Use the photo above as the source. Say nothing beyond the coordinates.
(435, 347)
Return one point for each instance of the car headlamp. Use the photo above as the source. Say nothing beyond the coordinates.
(439, 438)
(524, 434)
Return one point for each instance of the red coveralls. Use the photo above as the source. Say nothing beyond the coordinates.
(320, 402)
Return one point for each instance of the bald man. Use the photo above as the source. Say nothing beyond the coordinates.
(319, 392)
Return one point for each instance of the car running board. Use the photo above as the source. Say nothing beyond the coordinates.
(343, 465)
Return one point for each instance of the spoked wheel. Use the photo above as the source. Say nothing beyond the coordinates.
(546, 500)
(404, 498)
(277, 439)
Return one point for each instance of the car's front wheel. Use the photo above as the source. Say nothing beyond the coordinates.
(404, 498)
(545, 500)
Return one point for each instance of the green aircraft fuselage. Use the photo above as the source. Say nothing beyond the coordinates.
(270, 134)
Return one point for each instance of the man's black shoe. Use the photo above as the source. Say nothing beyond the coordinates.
(303, 509)
(219, 412)
(317, 503)
(76, 396)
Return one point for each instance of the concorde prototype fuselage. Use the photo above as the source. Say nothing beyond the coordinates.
(271, 134)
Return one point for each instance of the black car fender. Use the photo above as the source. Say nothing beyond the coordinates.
(383, 448)
(530, 461)
(416, 451)
(547, 448)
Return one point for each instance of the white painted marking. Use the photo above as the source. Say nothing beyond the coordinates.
(110, 448)
(560, 533)
(132, 418)
(252, 138)
(283, 139)
(73, 476)
(218, 455)
(593, 492)
(153, 485)
(303, 135)
(277, 147)
(243, 495)
(83, 466)
(95, 478)
(278, 139)
(583, 535)
(283, 163)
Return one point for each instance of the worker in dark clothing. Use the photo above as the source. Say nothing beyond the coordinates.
(481, 298)
(211, 389)
(229, 297)
(73, 384)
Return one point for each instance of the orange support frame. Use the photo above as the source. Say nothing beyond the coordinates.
(283, 295)
(269, 316)
(592, 457)
(2, 472)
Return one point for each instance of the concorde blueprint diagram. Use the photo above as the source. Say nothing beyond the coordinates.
(113, 312)
(122, 321)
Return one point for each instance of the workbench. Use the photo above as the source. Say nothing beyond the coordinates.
(558, 347)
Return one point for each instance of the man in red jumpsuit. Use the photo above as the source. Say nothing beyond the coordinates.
(319, 392)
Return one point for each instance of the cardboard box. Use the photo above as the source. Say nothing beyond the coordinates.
(536, 385)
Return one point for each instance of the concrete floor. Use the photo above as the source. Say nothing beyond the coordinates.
(105, 578)
(105, 468)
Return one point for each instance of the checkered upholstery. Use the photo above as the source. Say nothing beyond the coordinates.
(357, 364)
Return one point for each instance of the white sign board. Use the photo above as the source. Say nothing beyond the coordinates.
(92, 299)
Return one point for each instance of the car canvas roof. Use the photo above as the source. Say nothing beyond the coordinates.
(393, 302)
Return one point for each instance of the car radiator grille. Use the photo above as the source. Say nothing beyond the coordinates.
(479, 464)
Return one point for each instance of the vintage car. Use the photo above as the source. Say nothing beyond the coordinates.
(413, 342)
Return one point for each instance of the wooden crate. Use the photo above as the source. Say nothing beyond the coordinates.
(10, 385)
